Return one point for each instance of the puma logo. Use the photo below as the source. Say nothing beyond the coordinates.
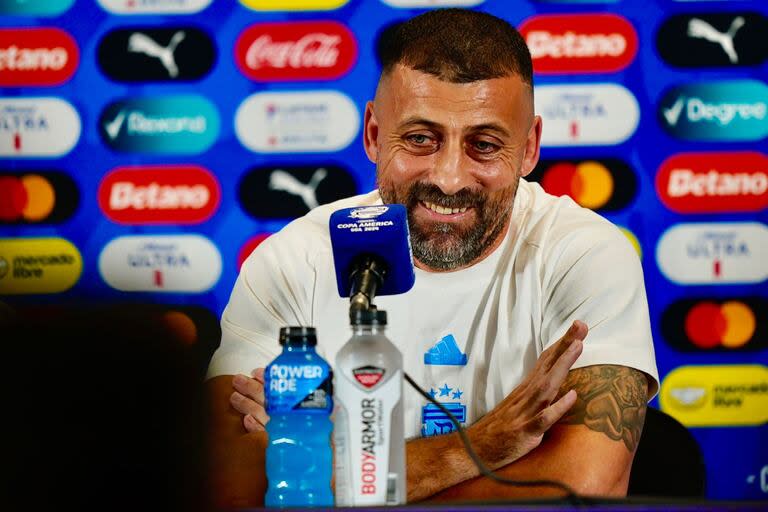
(142, 43)
(700, 29)
(281, 180)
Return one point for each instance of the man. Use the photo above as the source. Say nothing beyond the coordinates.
(508, 278)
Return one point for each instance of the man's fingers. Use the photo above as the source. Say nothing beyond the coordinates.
(251, 388)
(258, 374)
(577, 331)
(553, 413)
(252, 425)
(559, 371)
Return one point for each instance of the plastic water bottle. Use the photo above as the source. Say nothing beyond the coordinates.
(369, 427)
(299, 401)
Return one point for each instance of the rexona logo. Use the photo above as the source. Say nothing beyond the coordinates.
(586, 114)
(716, 395)
(248, 247)
(36, 56)
(154, 6)
(37, 127)
(732, 110)
(717, 253)
(34, 7)
(713, 39)
(714, 182)
(604, 185)
(291, 191)
(310, 50)
(579, 43)
(146, 54)
(172, 194)
(293, 5)
(275, 122)
(406, 4)
(184, 124)
(694, 325)
(38, 265)
(37, 197)
(170, 263)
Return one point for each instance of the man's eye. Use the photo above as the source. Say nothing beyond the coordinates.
(484, 147)
(419, 139)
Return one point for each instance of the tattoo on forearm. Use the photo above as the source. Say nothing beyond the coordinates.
(611, 399)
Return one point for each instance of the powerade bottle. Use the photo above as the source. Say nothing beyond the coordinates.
(299, 401)
(369, 427)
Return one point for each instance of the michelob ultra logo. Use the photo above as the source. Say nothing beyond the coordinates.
(586, 114)
(184, 124)
(293, 5)
(714, 253)
(731, 110)
(579, 43)
(717, 395)
(37, 197)
(34, 7)
(171, 194)
(37, 127)
(36, 57)
(154, 6)
(38, 265)
(163, 263)
(734, 181)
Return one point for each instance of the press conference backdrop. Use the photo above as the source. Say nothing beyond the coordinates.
(149, 145)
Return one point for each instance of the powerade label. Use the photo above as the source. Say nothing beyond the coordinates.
(306, 387)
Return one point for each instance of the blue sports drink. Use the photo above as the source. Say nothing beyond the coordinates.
(298, 393)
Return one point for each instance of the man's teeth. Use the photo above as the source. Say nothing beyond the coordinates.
(443, 211)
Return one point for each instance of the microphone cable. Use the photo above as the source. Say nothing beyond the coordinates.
(570, 495)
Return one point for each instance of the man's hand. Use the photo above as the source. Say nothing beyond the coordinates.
(248, 399)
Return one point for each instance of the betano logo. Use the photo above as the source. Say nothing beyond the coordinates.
(716, 324)
(317, 121)
(169, 194)
(309, 50)
(37, 197)
(38, 265)
(730, 110)
(714, 182)
(716, 395)
(605, 185)
(293, 5)
(162, 263)
(36, 57)
(34, 7)
(183, 124)
(37, 127)
(579, 43)
(714, 253)
(248, 247)
(408, 4)
(586, 114)
(154, 6)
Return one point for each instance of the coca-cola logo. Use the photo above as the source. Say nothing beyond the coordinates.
(181, 194)
(579, 43)
(36, 56)
(714, 182)
(316, 50)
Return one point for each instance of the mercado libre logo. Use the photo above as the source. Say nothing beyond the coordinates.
(716, 395)
(714, 324)
(37, 127)
(714, 182)
(729, 110)
(309, 50)
(38, 265)
(168, 194)
(34, 7)
(36, 57)
(714, 253)
(293, 5)
(184, 124)
(154, 6)
(579, 43)
(601, 184)
(37, 197)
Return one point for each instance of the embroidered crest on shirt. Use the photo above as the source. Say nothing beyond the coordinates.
(435, 422)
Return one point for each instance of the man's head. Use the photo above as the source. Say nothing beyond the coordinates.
(451, 131)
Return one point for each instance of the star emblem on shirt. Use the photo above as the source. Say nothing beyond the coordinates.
(457, 394)
(445, 390)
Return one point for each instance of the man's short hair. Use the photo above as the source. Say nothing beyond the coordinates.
(456, 45)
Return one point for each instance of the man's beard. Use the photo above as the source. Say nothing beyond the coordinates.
(447, 245)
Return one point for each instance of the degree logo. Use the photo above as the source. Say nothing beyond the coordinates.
(37, 197)
(39, 127)
(717, 395)
(174, 194)
(36, 57)
(716, 253)
(603, 185)
(248, 247)
(310, 50)
(714, 182)
(38, 265)
(706, 324)
(34, 7)
(579, 43)
(293, 5)
(154, 6)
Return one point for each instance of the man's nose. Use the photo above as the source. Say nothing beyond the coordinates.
(451, 171)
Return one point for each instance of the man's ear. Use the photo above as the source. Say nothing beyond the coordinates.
(532, 147)
(371, 133)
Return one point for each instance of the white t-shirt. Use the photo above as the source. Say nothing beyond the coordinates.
(470, 336)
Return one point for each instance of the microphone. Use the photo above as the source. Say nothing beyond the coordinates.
(371, 253)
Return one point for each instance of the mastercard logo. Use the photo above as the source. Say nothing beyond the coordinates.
(604, 185)
(248, 248)
(717, 324)
(39, 197)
